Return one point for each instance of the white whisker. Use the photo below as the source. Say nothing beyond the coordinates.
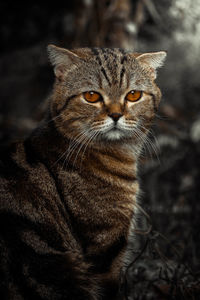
(85, 140)
(54, 118)
(153, 145)
(95, 134)
(77, 142)
(72, 145)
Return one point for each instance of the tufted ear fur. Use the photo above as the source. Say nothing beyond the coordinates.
(62, 60)
(152, 61)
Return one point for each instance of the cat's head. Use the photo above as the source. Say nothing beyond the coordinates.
(104, 94)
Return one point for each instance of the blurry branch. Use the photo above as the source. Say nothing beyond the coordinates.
(108, 23)
(154, 274)
(153, 11)
(116, 29)
(158, 270)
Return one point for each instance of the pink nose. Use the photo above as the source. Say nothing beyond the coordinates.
(115, 116)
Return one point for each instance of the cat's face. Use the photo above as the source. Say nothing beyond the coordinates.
(104, 94)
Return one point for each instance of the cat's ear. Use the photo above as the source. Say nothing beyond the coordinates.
(152, 61)
(61, 59)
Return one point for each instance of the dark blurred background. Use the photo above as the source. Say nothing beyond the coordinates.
(166, 262)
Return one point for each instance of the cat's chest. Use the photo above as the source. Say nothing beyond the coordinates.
(97, 201)
(101, 212)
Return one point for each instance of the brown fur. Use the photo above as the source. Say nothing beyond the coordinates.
(69, 191)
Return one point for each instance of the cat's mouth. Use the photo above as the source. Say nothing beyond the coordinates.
(113, 130)
(114, 133)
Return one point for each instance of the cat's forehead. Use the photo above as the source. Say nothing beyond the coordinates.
(107, 59)
(103, 54)
(113, 67)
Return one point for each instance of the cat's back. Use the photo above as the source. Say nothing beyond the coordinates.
(19, 168)
(12, 170)
(34, 231)
(12, 163)
(26, 185)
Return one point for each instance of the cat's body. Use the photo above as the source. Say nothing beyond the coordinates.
(69, 191)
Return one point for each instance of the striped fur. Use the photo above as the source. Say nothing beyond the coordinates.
(68, 192)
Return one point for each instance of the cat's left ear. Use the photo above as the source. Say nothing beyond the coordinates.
(62, 60)
(152, 61)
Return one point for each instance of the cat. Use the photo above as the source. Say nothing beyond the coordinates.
(69, 190)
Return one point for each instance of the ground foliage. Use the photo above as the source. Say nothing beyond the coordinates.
(166, 257)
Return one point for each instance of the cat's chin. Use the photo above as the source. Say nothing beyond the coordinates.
(114, 134)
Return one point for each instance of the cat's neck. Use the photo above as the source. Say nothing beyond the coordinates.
(108, 161)
(115, 163)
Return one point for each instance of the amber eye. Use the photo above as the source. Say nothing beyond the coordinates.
(133, 96)
(92, 96)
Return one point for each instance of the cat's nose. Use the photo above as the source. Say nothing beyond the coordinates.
(115, 116)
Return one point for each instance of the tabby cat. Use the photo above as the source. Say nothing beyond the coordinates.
(69, 191)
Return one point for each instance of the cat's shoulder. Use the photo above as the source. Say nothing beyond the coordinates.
(18, 163)
(13, 159)
(23, 176)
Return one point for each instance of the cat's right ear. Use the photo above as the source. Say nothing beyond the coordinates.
(62, 60)
(152, 61)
